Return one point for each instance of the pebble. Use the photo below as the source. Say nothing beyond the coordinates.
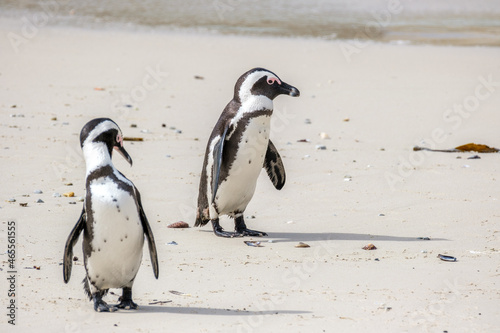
(80, 199)
(56, 195)
(475, 157)
(307, 156)
(347, 178)
(307, 121)
(133, 125)
(72, 203)
(180, 224)
(39, 201)
(446, 258)
(369, 247)
(171, 243)
(320, 147)
(381, 214)
(145, 131)
(37, 191)
(11, 200)
(178, 131)
(324, 136)
(69, 194)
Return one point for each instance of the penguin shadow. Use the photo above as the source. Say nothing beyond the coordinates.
(279, 237)
(212, 311)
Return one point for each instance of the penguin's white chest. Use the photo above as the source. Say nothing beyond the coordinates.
(236, 191)
(118, 236)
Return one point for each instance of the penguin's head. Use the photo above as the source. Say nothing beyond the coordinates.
(104, 131)
(262, 82)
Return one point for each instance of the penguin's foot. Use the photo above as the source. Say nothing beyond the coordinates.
(126, 300)
(241, 228)
(101, 306)
(127, 304)
(219, 231)
(254, 233)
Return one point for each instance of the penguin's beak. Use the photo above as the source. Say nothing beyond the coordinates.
(287, 89)
(119, 148)
(124, 153)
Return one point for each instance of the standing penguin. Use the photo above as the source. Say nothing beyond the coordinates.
(238, 148)
(112, 220)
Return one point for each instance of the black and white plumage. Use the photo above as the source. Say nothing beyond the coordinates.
(112, 220)
(238, 148)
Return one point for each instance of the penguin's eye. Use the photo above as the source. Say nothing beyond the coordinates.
(272, 80)
(119, 140)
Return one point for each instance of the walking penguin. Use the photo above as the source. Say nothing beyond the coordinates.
(238, 148)
(112, 220)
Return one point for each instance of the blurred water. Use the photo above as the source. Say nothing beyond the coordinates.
(457, 22)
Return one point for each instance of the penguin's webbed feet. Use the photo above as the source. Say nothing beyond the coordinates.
(253, 233)
(241, 228)
(126, 300)
(219, 231)
(101, 306)
(127, 305)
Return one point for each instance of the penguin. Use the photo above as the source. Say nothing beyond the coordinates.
(238, 148)
(113, 221)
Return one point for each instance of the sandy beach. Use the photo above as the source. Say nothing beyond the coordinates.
(374, 101)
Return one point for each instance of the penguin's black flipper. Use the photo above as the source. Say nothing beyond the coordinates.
(217, 152)
(274, 166)
(68, 249)
(149, 235)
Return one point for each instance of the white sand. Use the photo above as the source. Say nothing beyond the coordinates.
(394, 96)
